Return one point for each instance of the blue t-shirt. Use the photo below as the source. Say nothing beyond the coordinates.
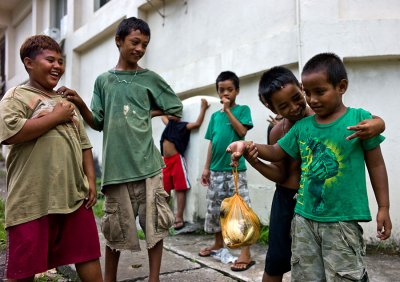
(333, 184)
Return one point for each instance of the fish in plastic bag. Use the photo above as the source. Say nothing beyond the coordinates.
(239, 223)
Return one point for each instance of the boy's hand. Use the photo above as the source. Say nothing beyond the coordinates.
(70, 95)
(237, 149)
(91, 198)
(204, 104)
(251, 153)
(366, 129)
(384, 224)
(226, 104)
(64, 111)
(205, 177)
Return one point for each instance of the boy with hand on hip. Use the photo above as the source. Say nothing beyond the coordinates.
(50, 173)
(332, 197)
(286, 173)
(174, 141)
(122, 104)
(227, 125)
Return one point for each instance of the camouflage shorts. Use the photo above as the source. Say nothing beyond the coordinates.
(221, 187)
(327, 251)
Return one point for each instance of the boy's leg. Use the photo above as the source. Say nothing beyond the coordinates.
(89, 271)
(277, 260)
(181, 204)
(111, 265)
(155, 256)
(307, 262)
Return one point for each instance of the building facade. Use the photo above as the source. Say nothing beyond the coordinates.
(192, 41)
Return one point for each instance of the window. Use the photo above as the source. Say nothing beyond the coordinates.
(100, 3)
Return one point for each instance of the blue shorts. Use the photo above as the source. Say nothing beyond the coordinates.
(277, 261)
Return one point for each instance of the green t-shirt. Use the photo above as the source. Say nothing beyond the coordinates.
(123, 112)
(333, 184)
(221, 133)
(45, 175)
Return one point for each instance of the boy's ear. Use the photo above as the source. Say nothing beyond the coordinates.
(28, 63)
(343, 86)
(117, 41)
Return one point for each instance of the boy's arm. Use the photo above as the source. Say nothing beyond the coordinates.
(74, 97)
(273, 153)
(379, 181)
(276, 171)
(88, 169)
(156, 113)
(164, 119)
(33, 128)
(205, 177)
(240, 129)
(204, 106)
(367, 128)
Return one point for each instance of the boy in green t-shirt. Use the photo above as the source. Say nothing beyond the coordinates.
(124, 100)
(332, 195)
(227, 125)
(50, 173)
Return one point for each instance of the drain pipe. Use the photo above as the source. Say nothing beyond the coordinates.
(299, 37)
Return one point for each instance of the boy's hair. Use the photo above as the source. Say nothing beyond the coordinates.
(35, 44)
(127, 25)
(228, 75)
(329, 63)
(273, 80)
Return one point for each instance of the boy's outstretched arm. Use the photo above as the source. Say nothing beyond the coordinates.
(88, 169)
(203, 107)
(74, 97)
(205, 176)
(272, 153)
(367, 128)
(33, 128)
(379, 181)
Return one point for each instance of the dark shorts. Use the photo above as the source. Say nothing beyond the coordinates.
(277, 261)
(50, 241)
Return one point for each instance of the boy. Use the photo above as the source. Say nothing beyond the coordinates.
(332, 195)
(121, 107)
(286, 173)
(227, 125)
(173, 144)
(50, 173)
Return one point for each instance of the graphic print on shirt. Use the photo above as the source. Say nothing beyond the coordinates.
(319, 164)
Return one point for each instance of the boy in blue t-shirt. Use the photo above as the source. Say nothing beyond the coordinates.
(227, 125)
(332, 195)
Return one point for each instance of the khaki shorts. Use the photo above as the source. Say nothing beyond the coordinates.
(124, 202)
(327, 251)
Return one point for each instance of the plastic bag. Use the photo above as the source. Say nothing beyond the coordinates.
(239, 223)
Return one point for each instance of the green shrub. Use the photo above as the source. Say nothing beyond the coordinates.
(264, 235)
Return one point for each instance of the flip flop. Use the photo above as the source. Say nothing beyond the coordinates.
(247, 265)
(206, 252)
(179, 225)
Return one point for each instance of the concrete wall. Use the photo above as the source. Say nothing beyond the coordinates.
(194, 40)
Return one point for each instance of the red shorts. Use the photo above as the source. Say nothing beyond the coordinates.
(175, 173)
(50, 241)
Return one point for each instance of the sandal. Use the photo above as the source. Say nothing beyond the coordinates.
(206, 252)
(246, 265)
(179, 225)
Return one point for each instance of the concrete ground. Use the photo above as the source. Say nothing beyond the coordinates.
(181, 261)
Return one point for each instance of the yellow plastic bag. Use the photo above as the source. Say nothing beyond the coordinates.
(240, 225)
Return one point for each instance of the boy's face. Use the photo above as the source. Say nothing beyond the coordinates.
(288, 102)
(227, 91)
(45, 70)
(323, 98)
(133, 47)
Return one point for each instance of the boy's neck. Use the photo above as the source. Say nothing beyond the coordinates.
(331, 117)
(40, 88)
(124, 66)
